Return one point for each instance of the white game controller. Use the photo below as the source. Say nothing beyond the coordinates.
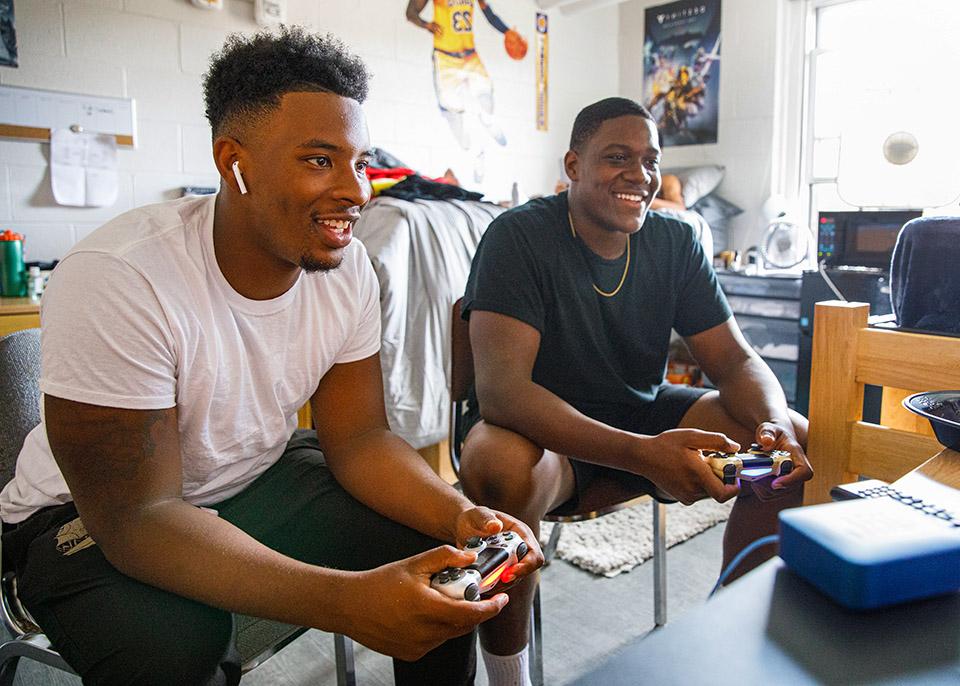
(495, 555)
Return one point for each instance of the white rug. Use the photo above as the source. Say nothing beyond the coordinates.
(620, 541)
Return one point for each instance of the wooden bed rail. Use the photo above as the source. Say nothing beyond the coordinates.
(847, 355)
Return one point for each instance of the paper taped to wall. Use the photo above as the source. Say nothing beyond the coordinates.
(83, 168)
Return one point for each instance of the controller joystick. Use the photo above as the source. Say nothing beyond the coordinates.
(495, 555)
(752, 465)
(456, 583)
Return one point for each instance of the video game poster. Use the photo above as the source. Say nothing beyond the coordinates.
(681, 70)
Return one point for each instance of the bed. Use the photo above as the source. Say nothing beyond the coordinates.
(421, 251)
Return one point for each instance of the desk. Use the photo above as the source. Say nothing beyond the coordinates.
(772, 627)
(17, 314)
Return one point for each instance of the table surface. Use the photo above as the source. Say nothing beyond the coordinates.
(772, 627)
(19, 306)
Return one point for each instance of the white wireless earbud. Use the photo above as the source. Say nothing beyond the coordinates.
(239, 177)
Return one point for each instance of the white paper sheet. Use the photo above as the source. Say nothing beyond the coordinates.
(83, 168)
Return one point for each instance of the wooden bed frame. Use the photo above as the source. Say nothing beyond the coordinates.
(848, 354)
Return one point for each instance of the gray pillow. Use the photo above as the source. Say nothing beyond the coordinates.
(716, 210)
(697, 181)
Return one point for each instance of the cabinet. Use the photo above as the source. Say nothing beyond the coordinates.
(767, 309)
(17, 314)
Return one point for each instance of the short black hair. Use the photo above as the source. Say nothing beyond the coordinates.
(250, 74)
(592, 116)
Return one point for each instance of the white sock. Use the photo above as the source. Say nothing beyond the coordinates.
(508, 670)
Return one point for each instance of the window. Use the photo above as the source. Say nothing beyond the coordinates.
(883, 73)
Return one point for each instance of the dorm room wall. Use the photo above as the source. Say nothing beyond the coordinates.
(156, 51)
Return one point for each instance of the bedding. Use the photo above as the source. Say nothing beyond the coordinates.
(421, 252)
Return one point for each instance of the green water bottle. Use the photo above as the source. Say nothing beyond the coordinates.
(13, 283)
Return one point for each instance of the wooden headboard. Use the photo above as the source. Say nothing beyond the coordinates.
(848, 354)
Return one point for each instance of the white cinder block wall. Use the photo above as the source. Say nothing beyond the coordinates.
(156, 51)
(748, 73)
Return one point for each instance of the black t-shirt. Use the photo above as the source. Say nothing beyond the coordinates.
(603, 355)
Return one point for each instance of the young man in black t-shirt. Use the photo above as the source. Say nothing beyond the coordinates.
(571, 300)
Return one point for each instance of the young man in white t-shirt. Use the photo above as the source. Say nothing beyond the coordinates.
(167, 483)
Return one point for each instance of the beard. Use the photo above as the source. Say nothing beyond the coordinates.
(312, 264)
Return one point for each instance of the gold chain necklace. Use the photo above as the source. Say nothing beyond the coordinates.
(626, 267)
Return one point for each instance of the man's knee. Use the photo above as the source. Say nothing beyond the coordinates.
(499, 468)
(190, 644)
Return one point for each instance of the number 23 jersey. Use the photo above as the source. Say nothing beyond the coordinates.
(455, 18)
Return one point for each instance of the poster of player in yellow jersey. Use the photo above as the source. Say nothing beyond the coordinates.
(461, 82)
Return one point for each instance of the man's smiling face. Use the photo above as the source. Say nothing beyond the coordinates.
(307, 162)
(616, 173)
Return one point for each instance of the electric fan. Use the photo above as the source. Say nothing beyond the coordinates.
(785, 244)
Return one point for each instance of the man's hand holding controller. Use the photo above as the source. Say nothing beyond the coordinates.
(404, 616)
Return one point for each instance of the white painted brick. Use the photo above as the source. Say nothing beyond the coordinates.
(24, 152)
(32, 199)
(39, 29)
(44, 242)
(82, 230)
(197, 44)
(150, 188)
(166, 95)
(72, 75)
(126, 38)
(236, 15)
(5, 214)
(158, 147)
(370, 29)
(381, 120)
(197, 150)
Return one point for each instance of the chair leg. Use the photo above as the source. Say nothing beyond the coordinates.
(346, 674)
(536, 638)
(551, 548)
(659, 563)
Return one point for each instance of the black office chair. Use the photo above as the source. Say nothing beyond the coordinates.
(256, 638)
(603, 496)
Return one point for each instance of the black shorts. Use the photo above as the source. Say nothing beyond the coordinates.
(665, 412)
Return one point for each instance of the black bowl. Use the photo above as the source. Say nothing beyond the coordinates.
(942, 408)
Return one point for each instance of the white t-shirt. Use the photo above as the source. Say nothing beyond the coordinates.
(138, 315)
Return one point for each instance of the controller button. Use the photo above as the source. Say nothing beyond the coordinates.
(508, 536)
(473, 542)
(471, 592)
(456, 574)
(522, 551)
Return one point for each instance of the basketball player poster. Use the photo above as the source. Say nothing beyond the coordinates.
(681, 70)
(463, 86)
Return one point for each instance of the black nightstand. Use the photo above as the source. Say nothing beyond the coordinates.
(767, 309)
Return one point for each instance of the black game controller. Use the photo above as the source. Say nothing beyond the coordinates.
(495, 555)
(752, 465)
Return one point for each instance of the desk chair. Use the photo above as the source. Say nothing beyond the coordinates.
(256, 638)
(848, 354)
(602, 496)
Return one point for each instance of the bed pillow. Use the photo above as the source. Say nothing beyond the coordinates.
(697, 181)
(717, 212)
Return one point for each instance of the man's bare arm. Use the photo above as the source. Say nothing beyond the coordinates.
(749, 391)
(384, 472)
(376, 466)
(505, 350)
(414, 8)
(124, 472)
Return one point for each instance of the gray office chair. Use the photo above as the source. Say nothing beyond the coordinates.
(602, 496)
(256, 638)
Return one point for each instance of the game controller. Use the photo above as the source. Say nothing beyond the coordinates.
(752, 465)
(496, 555)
